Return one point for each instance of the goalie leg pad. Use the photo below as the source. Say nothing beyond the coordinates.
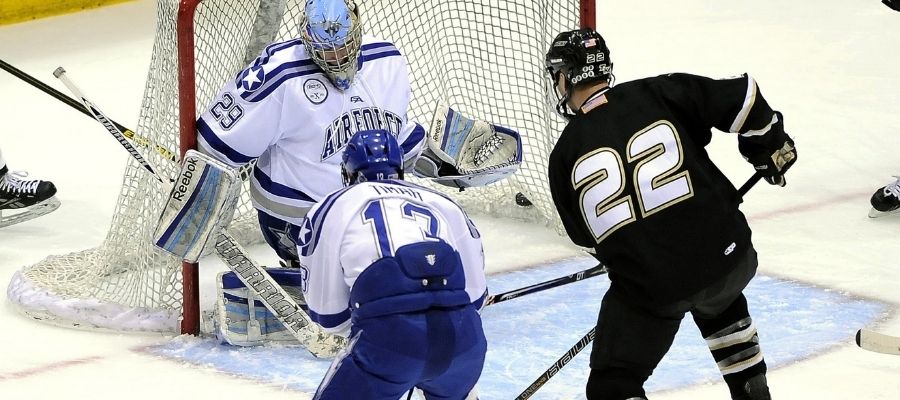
(243, 320)
(201, 203)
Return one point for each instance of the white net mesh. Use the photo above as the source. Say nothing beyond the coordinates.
(483, 57)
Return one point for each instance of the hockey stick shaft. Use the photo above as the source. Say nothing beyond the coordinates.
(112, 128)
(587, 338)
(558, 365)
(251, 274)
(749, 184)
(128, 133)
(599, 269)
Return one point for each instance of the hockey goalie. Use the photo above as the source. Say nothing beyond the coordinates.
(459, 152)
(295, 124)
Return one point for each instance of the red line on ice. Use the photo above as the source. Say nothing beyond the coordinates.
(47, 368)
(864, 206)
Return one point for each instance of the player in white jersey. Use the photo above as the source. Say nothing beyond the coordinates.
(23, 199)
(296, 106)
(400, 269)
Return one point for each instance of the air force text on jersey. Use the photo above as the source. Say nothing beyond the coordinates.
(359, 119)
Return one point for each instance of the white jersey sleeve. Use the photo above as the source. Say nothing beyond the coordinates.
(357, 226)
(241, 124)
(412, 140)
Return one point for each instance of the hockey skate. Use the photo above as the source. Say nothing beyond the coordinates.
(886, 201)
(22, 200)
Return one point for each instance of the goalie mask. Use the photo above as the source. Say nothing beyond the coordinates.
(581, 57)
(332, 34)
(372, 155)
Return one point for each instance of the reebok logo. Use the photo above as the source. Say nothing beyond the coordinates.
(185, 181)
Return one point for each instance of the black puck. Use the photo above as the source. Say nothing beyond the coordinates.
(523, 201)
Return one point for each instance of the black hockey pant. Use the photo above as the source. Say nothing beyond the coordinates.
(631, 340)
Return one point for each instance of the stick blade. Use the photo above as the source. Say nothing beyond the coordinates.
(878, 342)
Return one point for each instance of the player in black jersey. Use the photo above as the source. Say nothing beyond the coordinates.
(893, 4)
(631, 179)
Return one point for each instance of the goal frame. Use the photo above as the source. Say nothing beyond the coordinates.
(187, 116)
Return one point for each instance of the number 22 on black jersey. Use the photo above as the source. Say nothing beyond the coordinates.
(659, 182)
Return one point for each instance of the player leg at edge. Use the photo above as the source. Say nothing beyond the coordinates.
(624, 354)
(886, 200)
(725, 323)
(23, 199)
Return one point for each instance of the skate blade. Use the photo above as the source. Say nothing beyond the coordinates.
(873, 213)
(43, 208)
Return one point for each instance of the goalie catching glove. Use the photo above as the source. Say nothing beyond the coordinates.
(462, 152)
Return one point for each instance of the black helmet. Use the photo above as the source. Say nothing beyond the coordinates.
(582, 57)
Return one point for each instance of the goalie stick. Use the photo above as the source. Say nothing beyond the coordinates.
(878, 342)
(128, 133)
(270, 293)
(587, 338)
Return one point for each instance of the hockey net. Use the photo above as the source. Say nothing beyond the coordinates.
(482, 57)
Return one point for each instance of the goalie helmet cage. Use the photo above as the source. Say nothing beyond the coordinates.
(482, 57)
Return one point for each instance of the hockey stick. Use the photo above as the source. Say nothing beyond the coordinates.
(60, 74)
(878, 342)
(587, 338)
(749, 184)
(251, 274)
(128, 133)
(599, 269)
(561, 362)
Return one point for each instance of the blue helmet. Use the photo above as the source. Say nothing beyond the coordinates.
(332, 34)
(372, 155)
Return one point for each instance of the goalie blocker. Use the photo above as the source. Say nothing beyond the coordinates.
(200, 204)
(461, 152)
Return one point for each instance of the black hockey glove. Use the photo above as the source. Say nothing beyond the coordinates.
(772, 154)
(893, 4)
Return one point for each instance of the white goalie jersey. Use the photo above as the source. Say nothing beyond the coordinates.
(354, 227)
(283, 111)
